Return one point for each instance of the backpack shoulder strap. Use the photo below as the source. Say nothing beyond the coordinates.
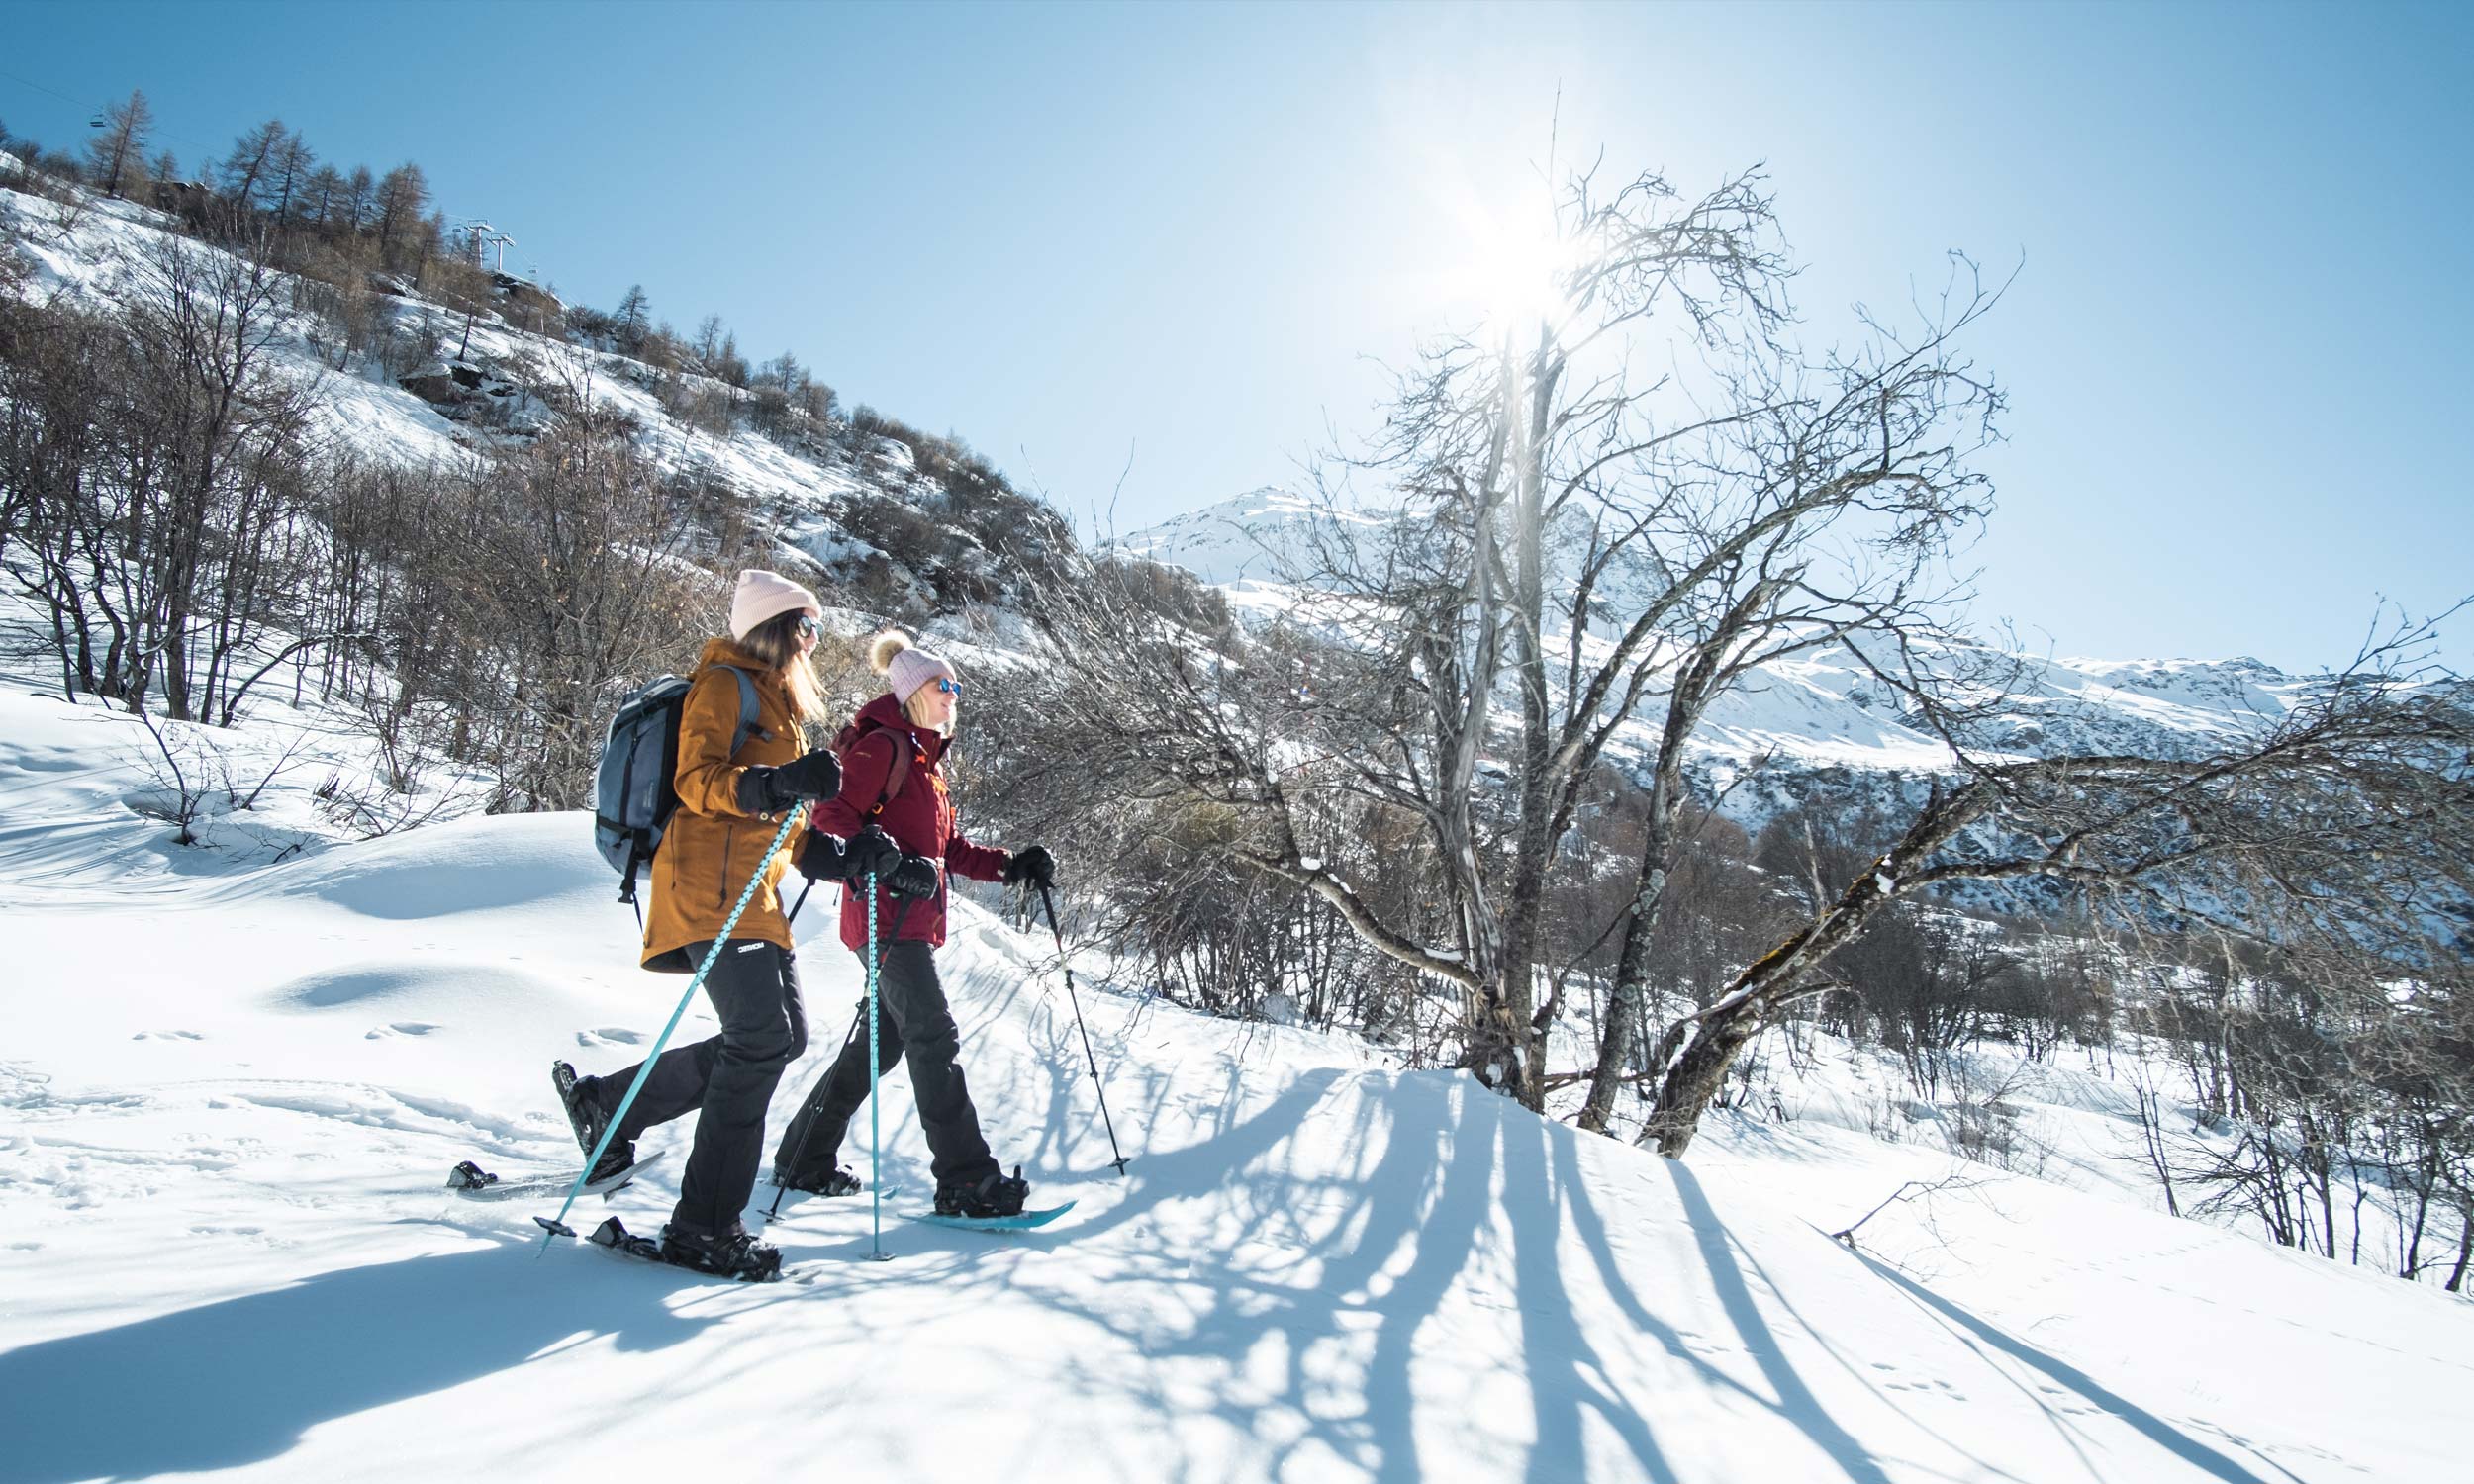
(895, 772)
(747, 708)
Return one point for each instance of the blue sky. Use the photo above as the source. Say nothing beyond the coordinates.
(1188, 238)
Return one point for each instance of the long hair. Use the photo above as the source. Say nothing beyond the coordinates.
(776, 642)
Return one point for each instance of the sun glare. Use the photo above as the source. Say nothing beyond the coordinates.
(1509, 267)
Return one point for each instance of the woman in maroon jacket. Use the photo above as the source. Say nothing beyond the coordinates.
(910, 842)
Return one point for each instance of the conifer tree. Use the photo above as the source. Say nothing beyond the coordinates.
(116, 152)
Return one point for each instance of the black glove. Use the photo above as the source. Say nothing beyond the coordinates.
(820, 857)
(1031, 864)
(772, 790)
(915, 877)
(872, 851)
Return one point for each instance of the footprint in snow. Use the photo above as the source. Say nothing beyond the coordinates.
(404, 1028)
(610, 1035)
(167, 1035)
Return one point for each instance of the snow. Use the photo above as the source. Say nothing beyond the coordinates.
(80, 261)
(234, 1076)
(231, 1086)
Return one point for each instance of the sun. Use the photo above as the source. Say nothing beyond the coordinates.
(1512, 268)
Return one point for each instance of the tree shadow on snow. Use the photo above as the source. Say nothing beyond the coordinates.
(240, 1381)
(1444, 1173)
(2148, 1424)
(1795, 1400)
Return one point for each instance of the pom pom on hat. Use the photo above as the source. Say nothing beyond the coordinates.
(765, 594)
(904, 664)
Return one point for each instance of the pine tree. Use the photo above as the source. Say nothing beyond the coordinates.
(402, 198)
(322, 198)
(121, 148)
(248, 171)
(360, 200)
(633, 319)
(288, 177)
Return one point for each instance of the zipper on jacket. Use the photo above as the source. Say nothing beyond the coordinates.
(722, 893)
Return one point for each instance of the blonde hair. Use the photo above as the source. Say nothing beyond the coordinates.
(881, 652)
(776, 642)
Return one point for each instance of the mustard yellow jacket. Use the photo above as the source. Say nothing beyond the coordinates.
(709, 848)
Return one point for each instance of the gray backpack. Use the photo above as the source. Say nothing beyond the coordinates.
(635, 791)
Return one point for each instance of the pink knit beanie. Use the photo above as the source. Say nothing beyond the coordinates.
(904, 664)
(765, 594)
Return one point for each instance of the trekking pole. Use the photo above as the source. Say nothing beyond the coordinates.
(591, 1161)
(1091, 1060)
(876, 1172)
(799, 1151)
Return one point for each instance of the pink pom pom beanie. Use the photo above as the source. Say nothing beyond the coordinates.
(906, 666)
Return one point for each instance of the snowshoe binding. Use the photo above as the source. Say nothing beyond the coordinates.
(832, 1182)
(729, 1253)
(996, 1194)
(585, 1116)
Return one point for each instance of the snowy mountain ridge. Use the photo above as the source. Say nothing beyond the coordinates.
(1822, 710)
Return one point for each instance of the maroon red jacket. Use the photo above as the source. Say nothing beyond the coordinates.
(921, 818)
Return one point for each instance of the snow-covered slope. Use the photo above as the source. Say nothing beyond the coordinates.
(1257, 536)
(814, 496)
(230, 1088)
(1821, 710)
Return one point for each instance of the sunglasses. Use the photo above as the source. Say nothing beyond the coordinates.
(808, 626)
(948, 684)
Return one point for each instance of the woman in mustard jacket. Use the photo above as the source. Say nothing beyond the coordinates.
(720, 837)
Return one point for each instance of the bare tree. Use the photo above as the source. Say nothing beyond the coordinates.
(120, 149)
(633, 319)
(2337, 832)
(358, 204)
(288, 180)
(1589, 532)
(248, 172)
(397, 207)
(161, 464)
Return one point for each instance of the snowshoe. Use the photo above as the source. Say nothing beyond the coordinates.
(730, 1253)
(585, 1116)
(998, 1194)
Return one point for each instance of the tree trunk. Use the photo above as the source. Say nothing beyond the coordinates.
(1629, 995)
(1723, 1028)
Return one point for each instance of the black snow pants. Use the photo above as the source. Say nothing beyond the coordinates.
(726, 1080)
(913, 1023)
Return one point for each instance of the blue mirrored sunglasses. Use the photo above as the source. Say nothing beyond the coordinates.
(811, 627)
(949, 685)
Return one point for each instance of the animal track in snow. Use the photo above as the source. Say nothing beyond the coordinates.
(167, 1035)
